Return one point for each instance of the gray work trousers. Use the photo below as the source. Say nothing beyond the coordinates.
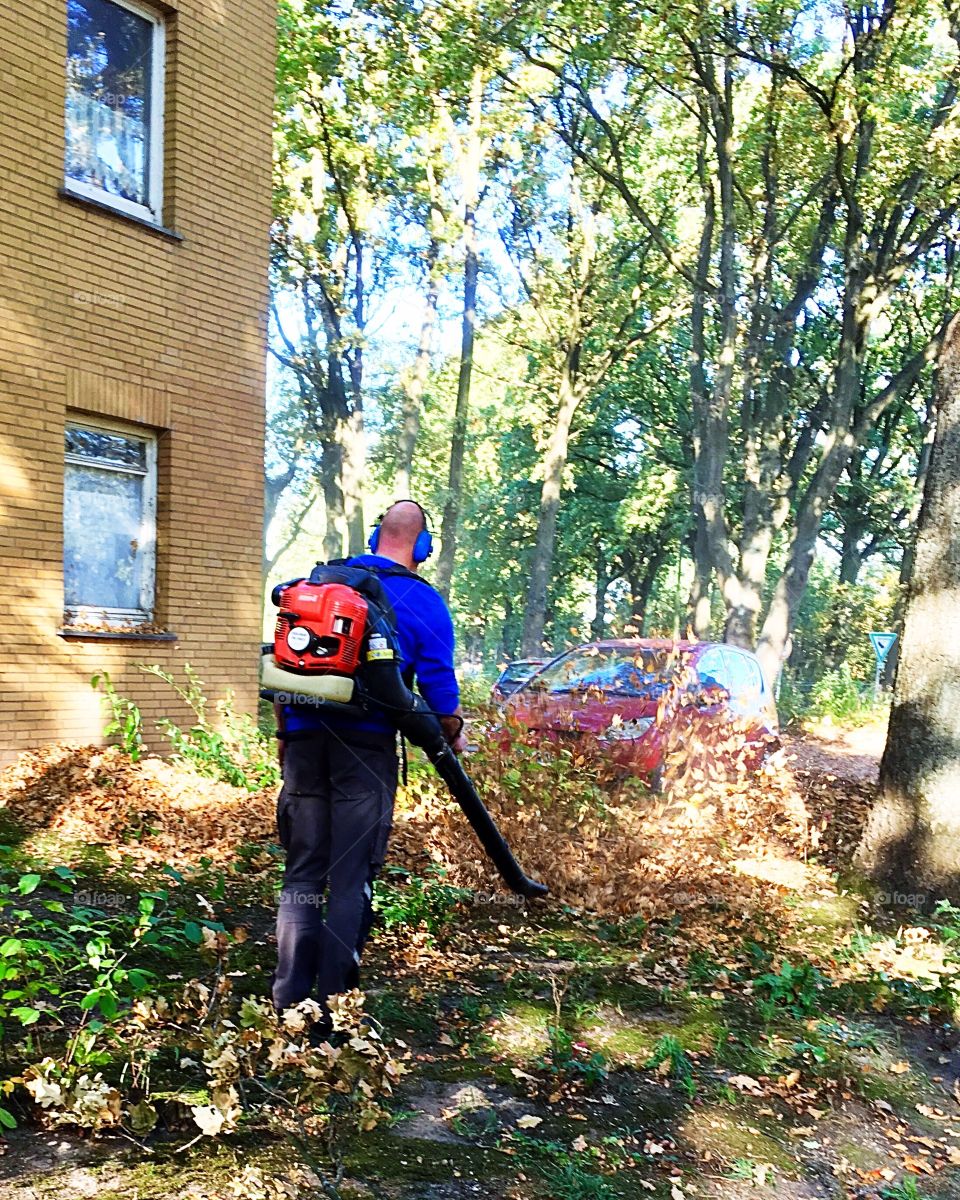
(334, 815)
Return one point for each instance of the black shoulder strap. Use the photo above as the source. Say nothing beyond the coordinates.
(399, 571)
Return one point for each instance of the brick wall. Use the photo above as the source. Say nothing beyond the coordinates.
(100, 316)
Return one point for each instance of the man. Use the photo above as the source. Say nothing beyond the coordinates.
(335, 809)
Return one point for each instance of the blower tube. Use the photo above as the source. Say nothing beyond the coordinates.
(383, 687)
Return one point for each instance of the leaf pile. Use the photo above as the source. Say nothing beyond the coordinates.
(572, 814)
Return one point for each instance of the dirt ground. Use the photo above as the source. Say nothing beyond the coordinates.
(851, 754)
(758, 1033)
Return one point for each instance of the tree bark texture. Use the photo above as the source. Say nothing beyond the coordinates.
(911, 843)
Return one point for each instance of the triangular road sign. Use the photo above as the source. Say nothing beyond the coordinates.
(882, 643)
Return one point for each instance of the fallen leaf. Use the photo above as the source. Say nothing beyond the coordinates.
(745, 1083)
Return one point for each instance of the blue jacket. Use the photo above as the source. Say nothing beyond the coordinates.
(425, 643)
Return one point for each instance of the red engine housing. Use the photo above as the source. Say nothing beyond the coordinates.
(332, 619)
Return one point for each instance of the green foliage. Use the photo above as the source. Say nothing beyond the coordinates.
(234, 748)
(570, 1060)
(125, 722)
(417, 903)
(670, 1057)
(796, 988)
(223, 1047)
(566, 1174)
(906, 1189)
(831, 668)
(67, 962)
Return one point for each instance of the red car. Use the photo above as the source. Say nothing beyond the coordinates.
(643, 698)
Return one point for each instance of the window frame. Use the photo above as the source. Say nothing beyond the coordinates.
(152, 211)
(146, 613)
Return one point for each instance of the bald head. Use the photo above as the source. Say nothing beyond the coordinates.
(402, 523)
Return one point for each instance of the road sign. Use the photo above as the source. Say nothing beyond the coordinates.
(882, 645)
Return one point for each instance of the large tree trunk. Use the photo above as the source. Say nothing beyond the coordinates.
(698, 602)
(331, 483)
(906, 562)
(912, 839)
(554, 462)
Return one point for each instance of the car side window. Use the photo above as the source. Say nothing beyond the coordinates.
(713, 670)
(747, 681)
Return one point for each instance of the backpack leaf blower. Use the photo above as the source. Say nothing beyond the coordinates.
(335, 643)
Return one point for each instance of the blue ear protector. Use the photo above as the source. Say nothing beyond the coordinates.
(422, 547)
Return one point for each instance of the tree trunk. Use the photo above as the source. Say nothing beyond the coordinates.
(458, 441)
(555, 461)
(601, 587)
(331, 483)
(851, 560)
(698, 603)
(912, 840)
(354, 470)
(906, 562)
(470, 157)
(415, 385)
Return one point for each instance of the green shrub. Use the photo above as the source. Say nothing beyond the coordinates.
(569, 1061)
(233, 749)
(126, 722)
(418, 903)
(65, 962)
(796, 988)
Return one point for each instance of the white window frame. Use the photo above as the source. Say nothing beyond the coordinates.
(153, 210)
(148, 540)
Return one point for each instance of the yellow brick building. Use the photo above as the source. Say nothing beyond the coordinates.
(135, 187)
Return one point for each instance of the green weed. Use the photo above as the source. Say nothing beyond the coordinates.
(797, 988)
(566, 1174)
(417, 903)
(126, 721)
(668, 1052)
(232, 747)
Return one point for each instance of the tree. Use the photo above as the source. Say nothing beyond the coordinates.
(335, 205)
(912, 839)
(802, 208)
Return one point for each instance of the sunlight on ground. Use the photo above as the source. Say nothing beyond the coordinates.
(786, 872)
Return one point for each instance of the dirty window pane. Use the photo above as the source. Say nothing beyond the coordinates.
(107, 447)
(102, 528)
(109, 63)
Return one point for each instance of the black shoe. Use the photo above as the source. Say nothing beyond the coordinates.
(320, 1031)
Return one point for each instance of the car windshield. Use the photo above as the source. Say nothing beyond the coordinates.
(616, 671)
(517, 672)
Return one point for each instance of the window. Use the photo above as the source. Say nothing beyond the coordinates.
(617, 671)
(109, 524)
(713, 670)
(114, 108)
